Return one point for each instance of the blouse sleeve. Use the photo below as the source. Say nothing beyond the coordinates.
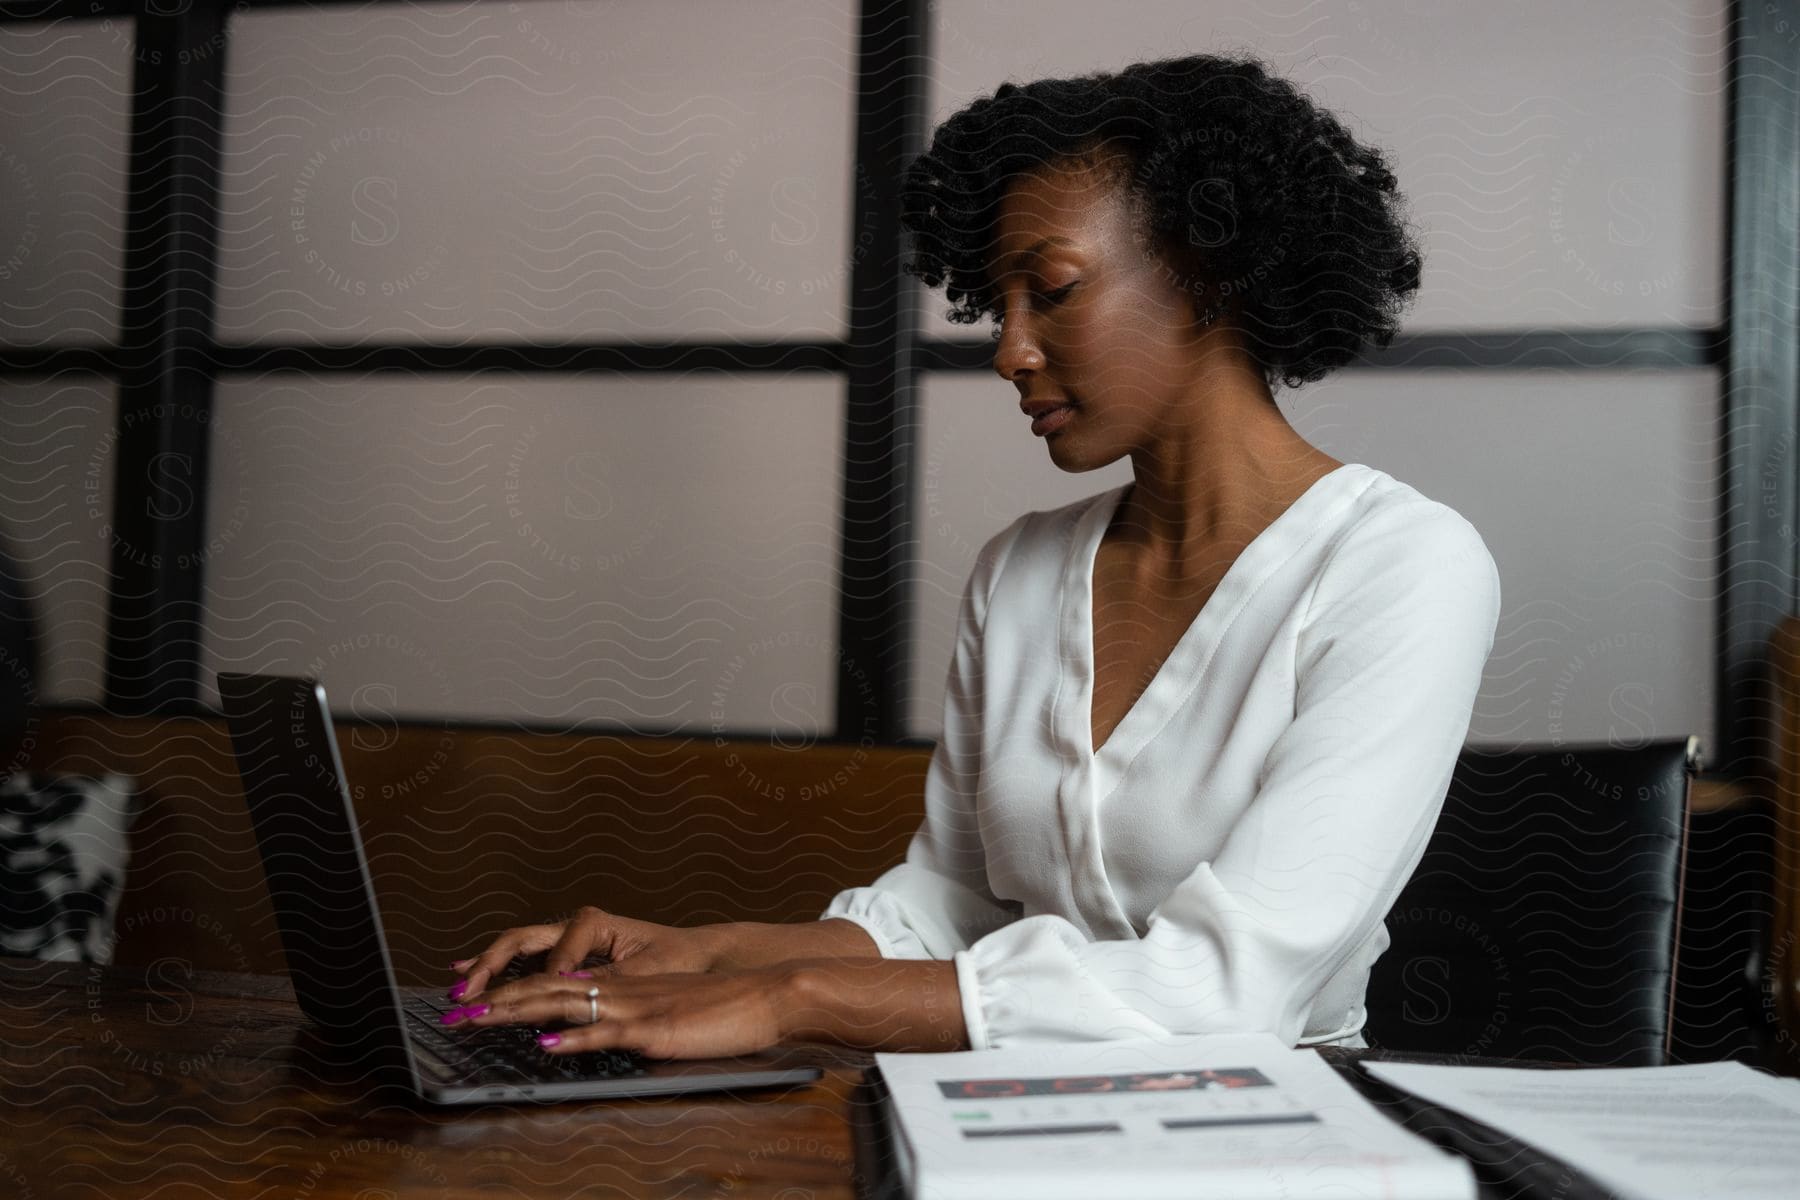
(1388, 662)
(937, 901)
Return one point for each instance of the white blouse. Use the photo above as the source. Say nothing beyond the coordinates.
(1225, 861)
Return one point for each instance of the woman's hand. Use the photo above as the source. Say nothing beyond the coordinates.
(633, 948)
(660, 1016)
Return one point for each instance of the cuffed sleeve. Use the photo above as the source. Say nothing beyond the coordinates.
(938, 900)
(1388, 662)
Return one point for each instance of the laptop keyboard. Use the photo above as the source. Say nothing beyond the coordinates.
(508, 1053)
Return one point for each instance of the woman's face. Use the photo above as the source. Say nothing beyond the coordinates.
(1094, 332)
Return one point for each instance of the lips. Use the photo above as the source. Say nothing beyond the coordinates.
(1050, 418)
(1049, 413)
(1037, 408)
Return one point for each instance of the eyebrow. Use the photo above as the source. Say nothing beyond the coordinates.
(1035, 248)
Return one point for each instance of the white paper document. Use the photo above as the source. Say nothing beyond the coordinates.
(1239, 1115)
(1710, 1131)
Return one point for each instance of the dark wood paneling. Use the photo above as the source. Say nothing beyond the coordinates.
(471, 831)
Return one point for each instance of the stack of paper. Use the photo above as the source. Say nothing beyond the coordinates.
(1648, 1133)
(1240, 1116)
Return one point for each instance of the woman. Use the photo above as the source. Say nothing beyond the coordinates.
(1197, 729)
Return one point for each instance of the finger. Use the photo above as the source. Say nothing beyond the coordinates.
(486, 964)
(519, 991)
(618, 1032)
(588, 931)
(547, 1003)
(644, 962)
(528, 939)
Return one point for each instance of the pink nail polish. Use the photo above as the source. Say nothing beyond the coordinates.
(477, 1011)
(576, 974)
(456, 993)
(453, 1016)
(549, 1039)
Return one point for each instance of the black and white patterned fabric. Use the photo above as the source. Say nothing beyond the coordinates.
(62, 864)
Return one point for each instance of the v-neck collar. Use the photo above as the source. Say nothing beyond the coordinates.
(1181, 670)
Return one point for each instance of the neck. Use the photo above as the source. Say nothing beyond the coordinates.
(1218, 472)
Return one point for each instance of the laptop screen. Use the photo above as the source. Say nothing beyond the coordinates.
(312, 856)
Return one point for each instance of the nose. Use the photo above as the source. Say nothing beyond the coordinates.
(1017, 350)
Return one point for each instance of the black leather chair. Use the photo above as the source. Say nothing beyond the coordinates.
(1543, 919)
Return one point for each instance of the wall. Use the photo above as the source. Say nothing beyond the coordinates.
(660, 552)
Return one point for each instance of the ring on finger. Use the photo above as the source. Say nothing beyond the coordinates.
(593, 995)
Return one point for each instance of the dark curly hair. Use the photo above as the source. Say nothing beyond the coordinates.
(1249, 191)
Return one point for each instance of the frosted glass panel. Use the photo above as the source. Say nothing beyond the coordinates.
(982, 466)
(1596, 492)
(657, 552)
(1563, 161)
(539, 170)
(56, 513)
(65, 115)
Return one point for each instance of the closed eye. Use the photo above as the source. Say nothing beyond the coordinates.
(997, 309)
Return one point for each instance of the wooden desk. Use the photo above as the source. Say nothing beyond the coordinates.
(166, 1082)
(119, 1082)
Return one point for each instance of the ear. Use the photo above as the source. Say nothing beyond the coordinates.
(1199, 300)
(1205, 308)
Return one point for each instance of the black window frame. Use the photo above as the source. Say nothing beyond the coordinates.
(168, 359)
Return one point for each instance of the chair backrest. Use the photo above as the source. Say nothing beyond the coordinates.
(1543, 918)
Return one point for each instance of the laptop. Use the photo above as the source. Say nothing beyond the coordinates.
(337, 952)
